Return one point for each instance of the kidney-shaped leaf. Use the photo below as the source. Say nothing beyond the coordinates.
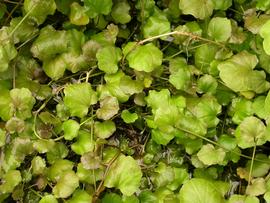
(143, 58)
(220, 29)
(241, 66)
(108, 57)
(198, 8)
(200, 191)
(251, 132)
(66, 185)
(210, 156)
(78, 98)
(125, 174)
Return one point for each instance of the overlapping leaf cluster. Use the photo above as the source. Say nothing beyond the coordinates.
(120, 101)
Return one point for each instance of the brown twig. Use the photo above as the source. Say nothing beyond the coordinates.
(101, 186)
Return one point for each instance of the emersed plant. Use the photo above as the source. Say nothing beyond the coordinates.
(128, 101)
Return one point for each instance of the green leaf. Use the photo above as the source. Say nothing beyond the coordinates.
(240, 109)
(89, 176)
(49, 43)
(257, 187)
(78, 14)
(48, 199)
(63, 6)
(263, 5)
(66, 185)
(241, 66)
(180, 74)
(265, 34)
(259, 107)
(108, 58)
(71, 129)
(197, 8)
(58, 151)
(222, 4)
(119, 175)
(111, 198)
(200, 191)
(23, 102)
(264, 31)
(245, 199)
(2, 137)
(251, 132)
(108, 108)
(60, 166)
(128, 117)
(204, 55)
(157, 24)
(206, 110)
(7, 53)
(25, 31)
(96, 7)
(40, 9)
(84, 143)
(220, 29)
(259, 169)
(104, 129)
(207, 84)
(80, 196)
(38, 165)
(15, 125)
(6, 107)
(78, 98)
(254, 23)
(210, 156)
(120, 12)
(191, 124)
(43, 146)
(163, 175)
(55, 68)
(9, 181)
(144, 57)
(158, 99)
(160, 137)
(90, 161)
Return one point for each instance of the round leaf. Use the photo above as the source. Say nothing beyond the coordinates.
(220, 29)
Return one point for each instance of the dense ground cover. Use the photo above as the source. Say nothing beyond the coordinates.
(128, 101)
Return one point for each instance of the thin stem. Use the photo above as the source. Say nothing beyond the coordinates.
(13, 10)
(101, 184)
(13, 2)
(58, 138)
(35, 117)
(88, 119)
(188, 34)
(219, 145)
(23, 19)
(251, 165)
(28, 40)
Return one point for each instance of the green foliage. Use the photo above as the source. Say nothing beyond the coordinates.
(108, 57)
(38, 10)
(120, 177)
(96, 7)
(66, 185)
(197, 8)
(242, 66)
(143, 58)
(130, 101)
(220, 29)
(104, 129)
(78, 98)
(71, 129)
(201, 190)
